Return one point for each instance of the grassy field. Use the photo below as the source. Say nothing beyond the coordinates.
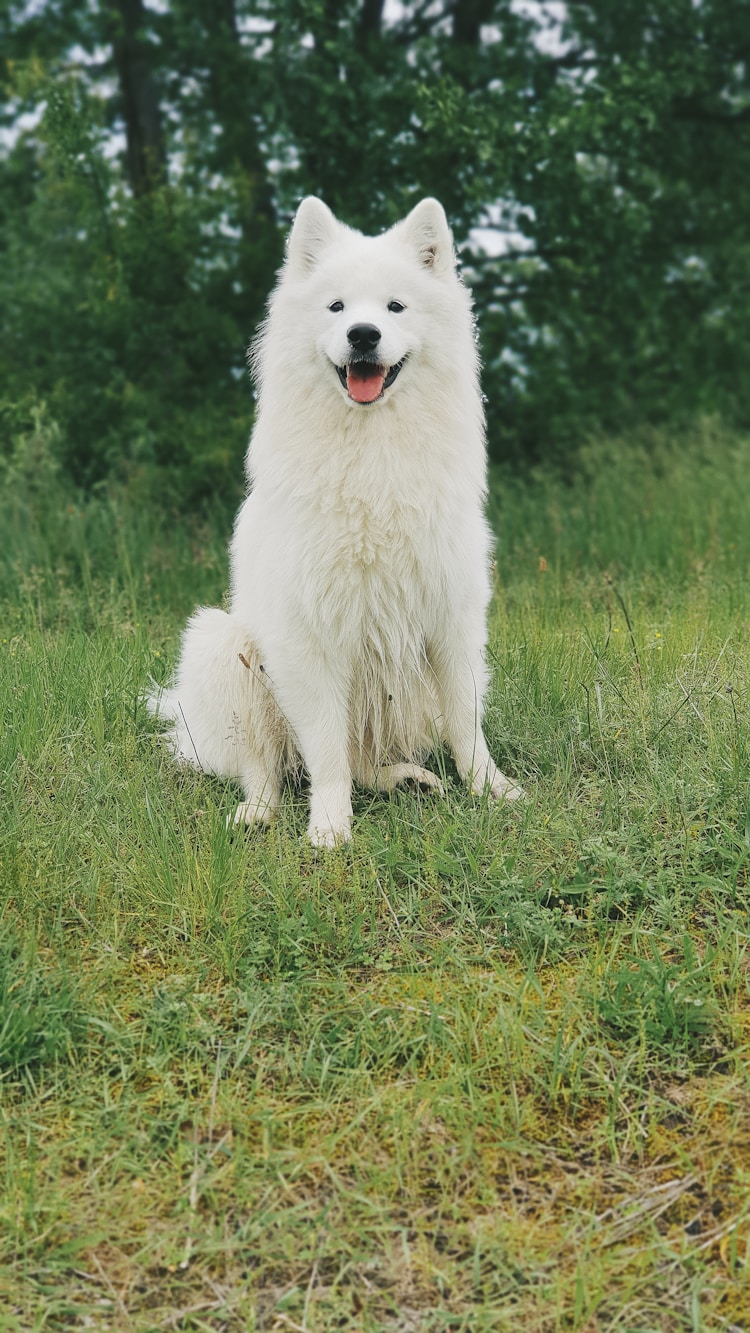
(487, 1068)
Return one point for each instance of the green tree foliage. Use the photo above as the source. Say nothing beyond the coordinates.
(594, 159)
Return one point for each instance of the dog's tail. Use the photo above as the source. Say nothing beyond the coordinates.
(160, 701)
(164, 706)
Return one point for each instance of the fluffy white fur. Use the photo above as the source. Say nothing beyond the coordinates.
(360, 559)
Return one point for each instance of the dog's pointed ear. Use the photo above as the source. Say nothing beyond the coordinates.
(314, 229)
(426, 230)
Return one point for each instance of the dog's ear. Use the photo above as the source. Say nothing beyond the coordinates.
(426, 230)
(314, 229)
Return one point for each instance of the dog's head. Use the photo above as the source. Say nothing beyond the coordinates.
(363, 312)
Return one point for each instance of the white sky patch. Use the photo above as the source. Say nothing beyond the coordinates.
(32, 9)
(26, 123)
(549, 17)
(499, 244)
(256, 33)
(255, 23)
(114, 145)
(496, 243)
(393, 11)
(498, 232)
(80, 56)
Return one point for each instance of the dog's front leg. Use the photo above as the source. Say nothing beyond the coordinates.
(314, 697)
(462, 679)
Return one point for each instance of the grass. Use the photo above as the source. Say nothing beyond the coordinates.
(485, 1069)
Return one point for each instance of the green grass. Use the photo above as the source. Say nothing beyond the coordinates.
(487, 1068)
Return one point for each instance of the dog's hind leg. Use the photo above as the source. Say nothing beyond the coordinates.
(224, 719)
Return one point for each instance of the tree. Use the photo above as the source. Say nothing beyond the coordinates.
(596, 170)
(150, 286)
(614, 149)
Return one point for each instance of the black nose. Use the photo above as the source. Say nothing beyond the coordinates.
(363, 337)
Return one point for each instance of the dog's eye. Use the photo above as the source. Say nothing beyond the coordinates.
(336, 307)
(396, 307)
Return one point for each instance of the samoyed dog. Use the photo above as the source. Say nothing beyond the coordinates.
(361, 557)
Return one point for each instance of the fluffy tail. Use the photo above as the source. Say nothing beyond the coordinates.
(164, 705)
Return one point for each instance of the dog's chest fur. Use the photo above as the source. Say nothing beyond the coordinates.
(377, 587)
(378, 555)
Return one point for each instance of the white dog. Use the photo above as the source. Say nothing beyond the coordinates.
(360, 559)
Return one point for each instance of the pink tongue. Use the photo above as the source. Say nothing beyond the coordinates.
(365, 385)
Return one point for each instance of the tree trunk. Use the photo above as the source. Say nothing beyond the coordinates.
(468, 17)
(232, 95)
(146, 156)
(370, 21)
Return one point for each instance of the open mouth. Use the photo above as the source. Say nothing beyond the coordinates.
(365, 381)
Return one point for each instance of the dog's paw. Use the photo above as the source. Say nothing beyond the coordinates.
(505, 789)
(326, 837)
(249, 813)
(489, 779)
(412, 776)
(330, 821)
(424, 780)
